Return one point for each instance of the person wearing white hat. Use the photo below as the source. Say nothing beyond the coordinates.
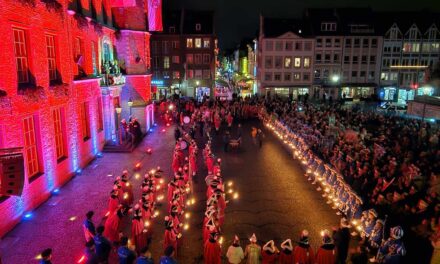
(235, 253)
(326, 254)
(269, 253)
(303, 252)
(393, 250)
(286, 254)
(253, 251)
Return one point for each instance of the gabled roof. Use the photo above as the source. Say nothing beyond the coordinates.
(404, 20)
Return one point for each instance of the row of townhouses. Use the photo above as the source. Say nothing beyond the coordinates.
(349, 53)
(70, 71)
(184, 55)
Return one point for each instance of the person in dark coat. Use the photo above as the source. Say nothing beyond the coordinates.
(360, 256)
(125, 255)
(46, 256)
(341, 238)
(177, 134)
(90, 255)
(102, 245)
(226, 139)
(89, 227)
(145, 257)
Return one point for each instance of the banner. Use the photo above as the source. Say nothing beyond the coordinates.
(155, 15)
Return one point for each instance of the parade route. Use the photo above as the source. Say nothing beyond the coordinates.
(275, 200)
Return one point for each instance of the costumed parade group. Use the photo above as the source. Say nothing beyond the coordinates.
(374, 240)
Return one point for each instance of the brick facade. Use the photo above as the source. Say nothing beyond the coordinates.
(69, 21)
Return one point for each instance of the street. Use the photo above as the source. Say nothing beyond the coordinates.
(275, 201)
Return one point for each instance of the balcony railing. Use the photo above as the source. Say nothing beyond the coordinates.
(112, 79)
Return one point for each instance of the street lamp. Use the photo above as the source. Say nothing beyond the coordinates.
(335, 78)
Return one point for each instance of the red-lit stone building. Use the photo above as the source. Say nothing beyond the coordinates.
(68, 69)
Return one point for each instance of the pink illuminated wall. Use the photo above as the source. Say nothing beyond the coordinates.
(37, 22)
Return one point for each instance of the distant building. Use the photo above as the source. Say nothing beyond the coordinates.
(184, 54)
(411, 50)
(285, 57)
(357, 54)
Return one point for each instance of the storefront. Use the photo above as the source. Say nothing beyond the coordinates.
(357, 92)
(426, 90)
(288, 91)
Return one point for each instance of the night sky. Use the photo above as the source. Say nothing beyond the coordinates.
(237, 19)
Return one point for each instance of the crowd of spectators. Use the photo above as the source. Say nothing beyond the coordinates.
(391, 162)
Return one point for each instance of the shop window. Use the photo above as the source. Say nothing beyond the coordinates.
(198, 74)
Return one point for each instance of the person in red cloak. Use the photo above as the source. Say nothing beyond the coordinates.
(209, 225)
(171, 235)
(127, 189)
(212, 251)
(112, 224)
(221, 204)
(113, 202)
(326, 254)
(176, 163)
(269, 253)
(286, 254)
(303, 253)
(147, 214)
(138, 236)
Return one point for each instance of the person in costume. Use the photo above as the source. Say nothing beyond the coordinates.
(127, 189)
(269, 253)
(235, 253)
(212, 250)
(303, 252)
(393, 250)
(286, 254)
(171, 235)
(326, 254)
(139, 236)
(112, 224)
(113, 202)
(253, 251)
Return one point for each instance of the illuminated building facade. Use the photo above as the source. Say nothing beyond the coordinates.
(63, 88)
(184, 54)
(286, 50)
(411, 50)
